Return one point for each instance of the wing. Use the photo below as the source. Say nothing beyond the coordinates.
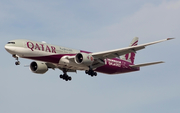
(122, 51)
(100, 56)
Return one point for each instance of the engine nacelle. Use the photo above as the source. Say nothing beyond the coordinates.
(84, 58)
(38, 67)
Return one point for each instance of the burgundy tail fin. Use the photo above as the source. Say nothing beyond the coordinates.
(131, 56)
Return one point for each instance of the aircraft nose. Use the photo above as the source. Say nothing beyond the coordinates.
(8, 48)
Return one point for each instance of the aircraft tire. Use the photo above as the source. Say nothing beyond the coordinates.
(17, 63)
(69, 78)
(86, 71)
(65, 77)
(61, 76)
(95, 74)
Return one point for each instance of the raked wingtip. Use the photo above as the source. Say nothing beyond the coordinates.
(170, 38)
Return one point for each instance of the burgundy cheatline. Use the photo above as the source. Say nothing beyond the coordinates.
(48, 56)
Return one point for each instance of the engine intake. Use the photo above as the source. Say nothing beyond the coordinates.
(84, 58)
(38, 67)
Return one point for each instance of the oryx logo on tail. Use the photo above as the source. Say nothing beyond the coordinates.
(131, 56)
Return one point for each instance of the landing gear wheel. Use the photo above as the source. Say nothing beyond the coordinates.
(86, 71)
(17, 63)
(61, 76)
(91, 73)
(95, 74)
(70, 78)
(65, 77)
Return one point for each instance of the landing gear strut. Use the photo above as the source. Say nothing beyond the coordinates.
(17, 62)
(65, 76)
(91, 72)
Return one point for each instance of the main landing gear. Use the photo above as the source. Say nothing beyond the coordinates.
(17, 58)
(65, 76)
(91, 72)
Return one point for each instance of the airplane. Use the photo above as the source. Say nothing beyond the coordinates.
(48, 56)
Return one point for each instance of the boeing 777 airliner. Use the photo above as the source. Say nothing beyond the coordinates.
(70, 60)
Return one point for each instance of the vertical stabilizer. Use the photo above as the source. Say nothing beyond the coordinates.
(131, 56)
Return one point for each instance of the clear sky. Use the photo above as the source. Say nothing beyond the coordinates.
(93, 25)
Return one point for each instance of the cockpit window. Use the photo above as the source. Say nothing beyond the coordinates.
(11, 42)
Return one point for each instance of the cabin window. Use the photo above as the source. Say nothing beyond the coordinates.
(11, 42)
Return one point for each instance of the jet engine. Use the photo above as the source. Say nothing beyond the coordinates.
(38, 67)
(84, 58)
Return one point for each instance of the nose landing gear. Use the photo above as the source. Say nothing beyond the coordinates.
(17, 58)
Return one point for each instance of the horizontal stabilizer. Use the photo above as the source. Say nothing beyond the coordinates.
(146, 64)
